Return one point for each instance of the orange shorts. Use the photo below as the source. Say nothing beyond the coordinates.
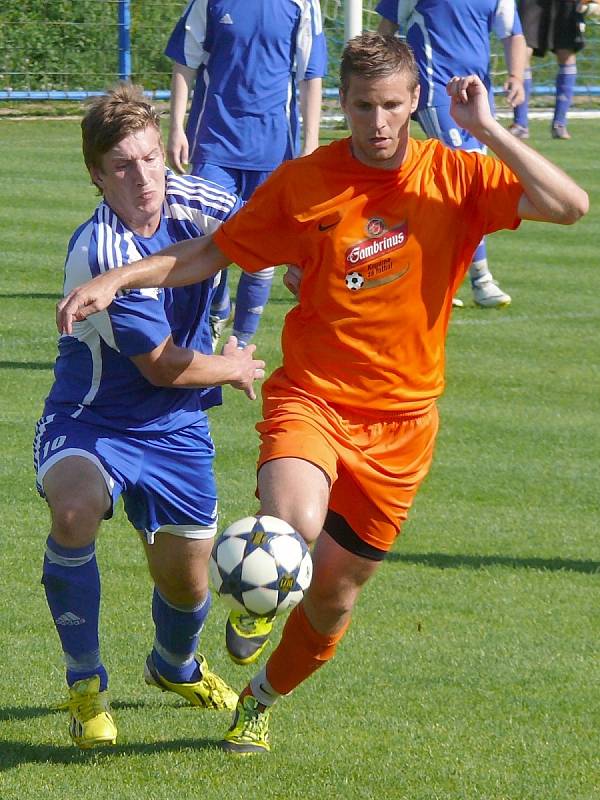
(374, 465)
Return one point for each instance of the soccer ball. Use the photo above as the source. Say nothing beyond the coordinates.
(260, 566)
(354, 281)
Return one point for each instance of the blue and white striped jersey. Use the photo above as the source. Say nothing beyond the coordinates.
(95, 379)
(249, 56)
(450, 38)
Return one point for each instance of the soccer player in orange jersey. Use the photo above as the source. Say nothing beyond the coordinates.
(377, 226)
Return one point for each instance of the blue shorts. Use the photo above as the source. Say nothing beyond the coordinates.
(167, 481)
(242, 182)
(437, 123)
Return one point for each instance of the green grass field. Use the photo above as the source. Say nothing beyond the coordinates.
(472, 668)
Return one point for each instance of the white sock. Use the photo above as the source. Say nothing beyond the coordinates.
(479, 272)
(262, 689)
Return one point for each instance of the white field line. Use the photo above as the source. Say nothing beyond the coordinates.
(492, 316)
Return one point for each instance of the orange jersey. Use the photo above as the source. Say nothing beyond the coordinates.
(382, 253)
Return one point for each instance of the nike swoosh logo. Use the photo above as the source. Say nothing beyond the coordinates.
(330, 221)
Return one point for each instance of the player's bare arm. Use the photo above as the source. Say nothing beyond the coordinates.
(549, 194)
(171, 366)
(182, 81)
(515, 55)
(311, 97)
(187, 262)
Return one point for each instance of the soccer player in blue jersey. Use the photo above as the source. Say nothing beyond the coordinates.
(245, 62)
(126, 415)
(454, 39)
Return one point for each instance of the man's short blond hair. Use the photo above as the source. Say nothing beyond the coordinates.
(111, 117)
(374, 55)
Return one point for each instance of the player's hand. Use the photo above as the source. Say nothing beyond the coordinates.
(248, 368)
(89, 298)
(292, 279)
(470, 106)
(178, 150)
(514, 91)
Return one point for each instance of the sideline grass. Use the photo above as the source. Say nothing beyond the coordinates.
(472, 668)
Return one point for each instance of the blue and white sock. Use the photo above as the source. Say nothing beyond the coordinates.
(479, 271)
(177, 631)
(566, 79)
(252, 297)
(72, 584)
(220, 306)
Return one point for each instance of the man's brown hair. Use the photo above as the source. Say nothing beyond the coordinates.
(113, 116)
(373, 55)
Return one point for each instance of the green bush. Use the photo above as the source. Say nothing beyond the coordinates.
(73, 44)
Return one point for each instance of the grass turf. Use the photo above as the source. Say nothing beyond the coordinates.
(471, 669)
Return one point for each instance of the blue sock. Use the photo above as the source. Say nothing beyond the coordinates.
(221, 304)
(521, 113)
(252, 296)
(566, 79)
(72, 583)
(177, 631)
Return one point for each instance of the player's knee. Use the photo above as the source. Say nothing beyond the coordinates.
(75, 519)
(183, 593)
(305, 517)
(310, 523)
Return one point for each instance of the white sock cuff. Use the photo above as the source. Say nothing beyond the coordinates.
(262, 689)
(479, 271)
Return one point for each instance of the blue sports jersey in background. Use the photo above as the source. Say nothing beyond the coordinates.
(249, 56)
(95, 380)
(450, 38)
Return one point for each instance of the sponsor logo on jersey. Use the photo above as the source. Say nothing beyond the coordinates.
(387, 242)
(370, 263)
(375, 227)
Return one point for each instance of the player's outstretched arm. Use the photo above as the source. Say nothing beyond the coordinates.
(549, 194)
(184, 263)
(169, 365)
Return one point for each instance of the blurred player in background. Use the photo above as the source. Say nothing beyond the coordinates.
(454, 39)
(382, 228)
(244, 62)
(555, 25)
(127, 416)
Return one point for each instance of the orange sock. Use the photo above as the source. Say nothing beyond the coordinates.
(301, 651)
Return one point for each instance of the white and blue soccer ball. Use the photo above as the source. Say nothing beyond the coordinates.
(260, 566)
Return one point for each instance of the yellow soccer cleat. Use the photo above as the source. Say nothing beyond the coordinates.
(246, 636)
(249, 731)
(210, 691)
(91, 723)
